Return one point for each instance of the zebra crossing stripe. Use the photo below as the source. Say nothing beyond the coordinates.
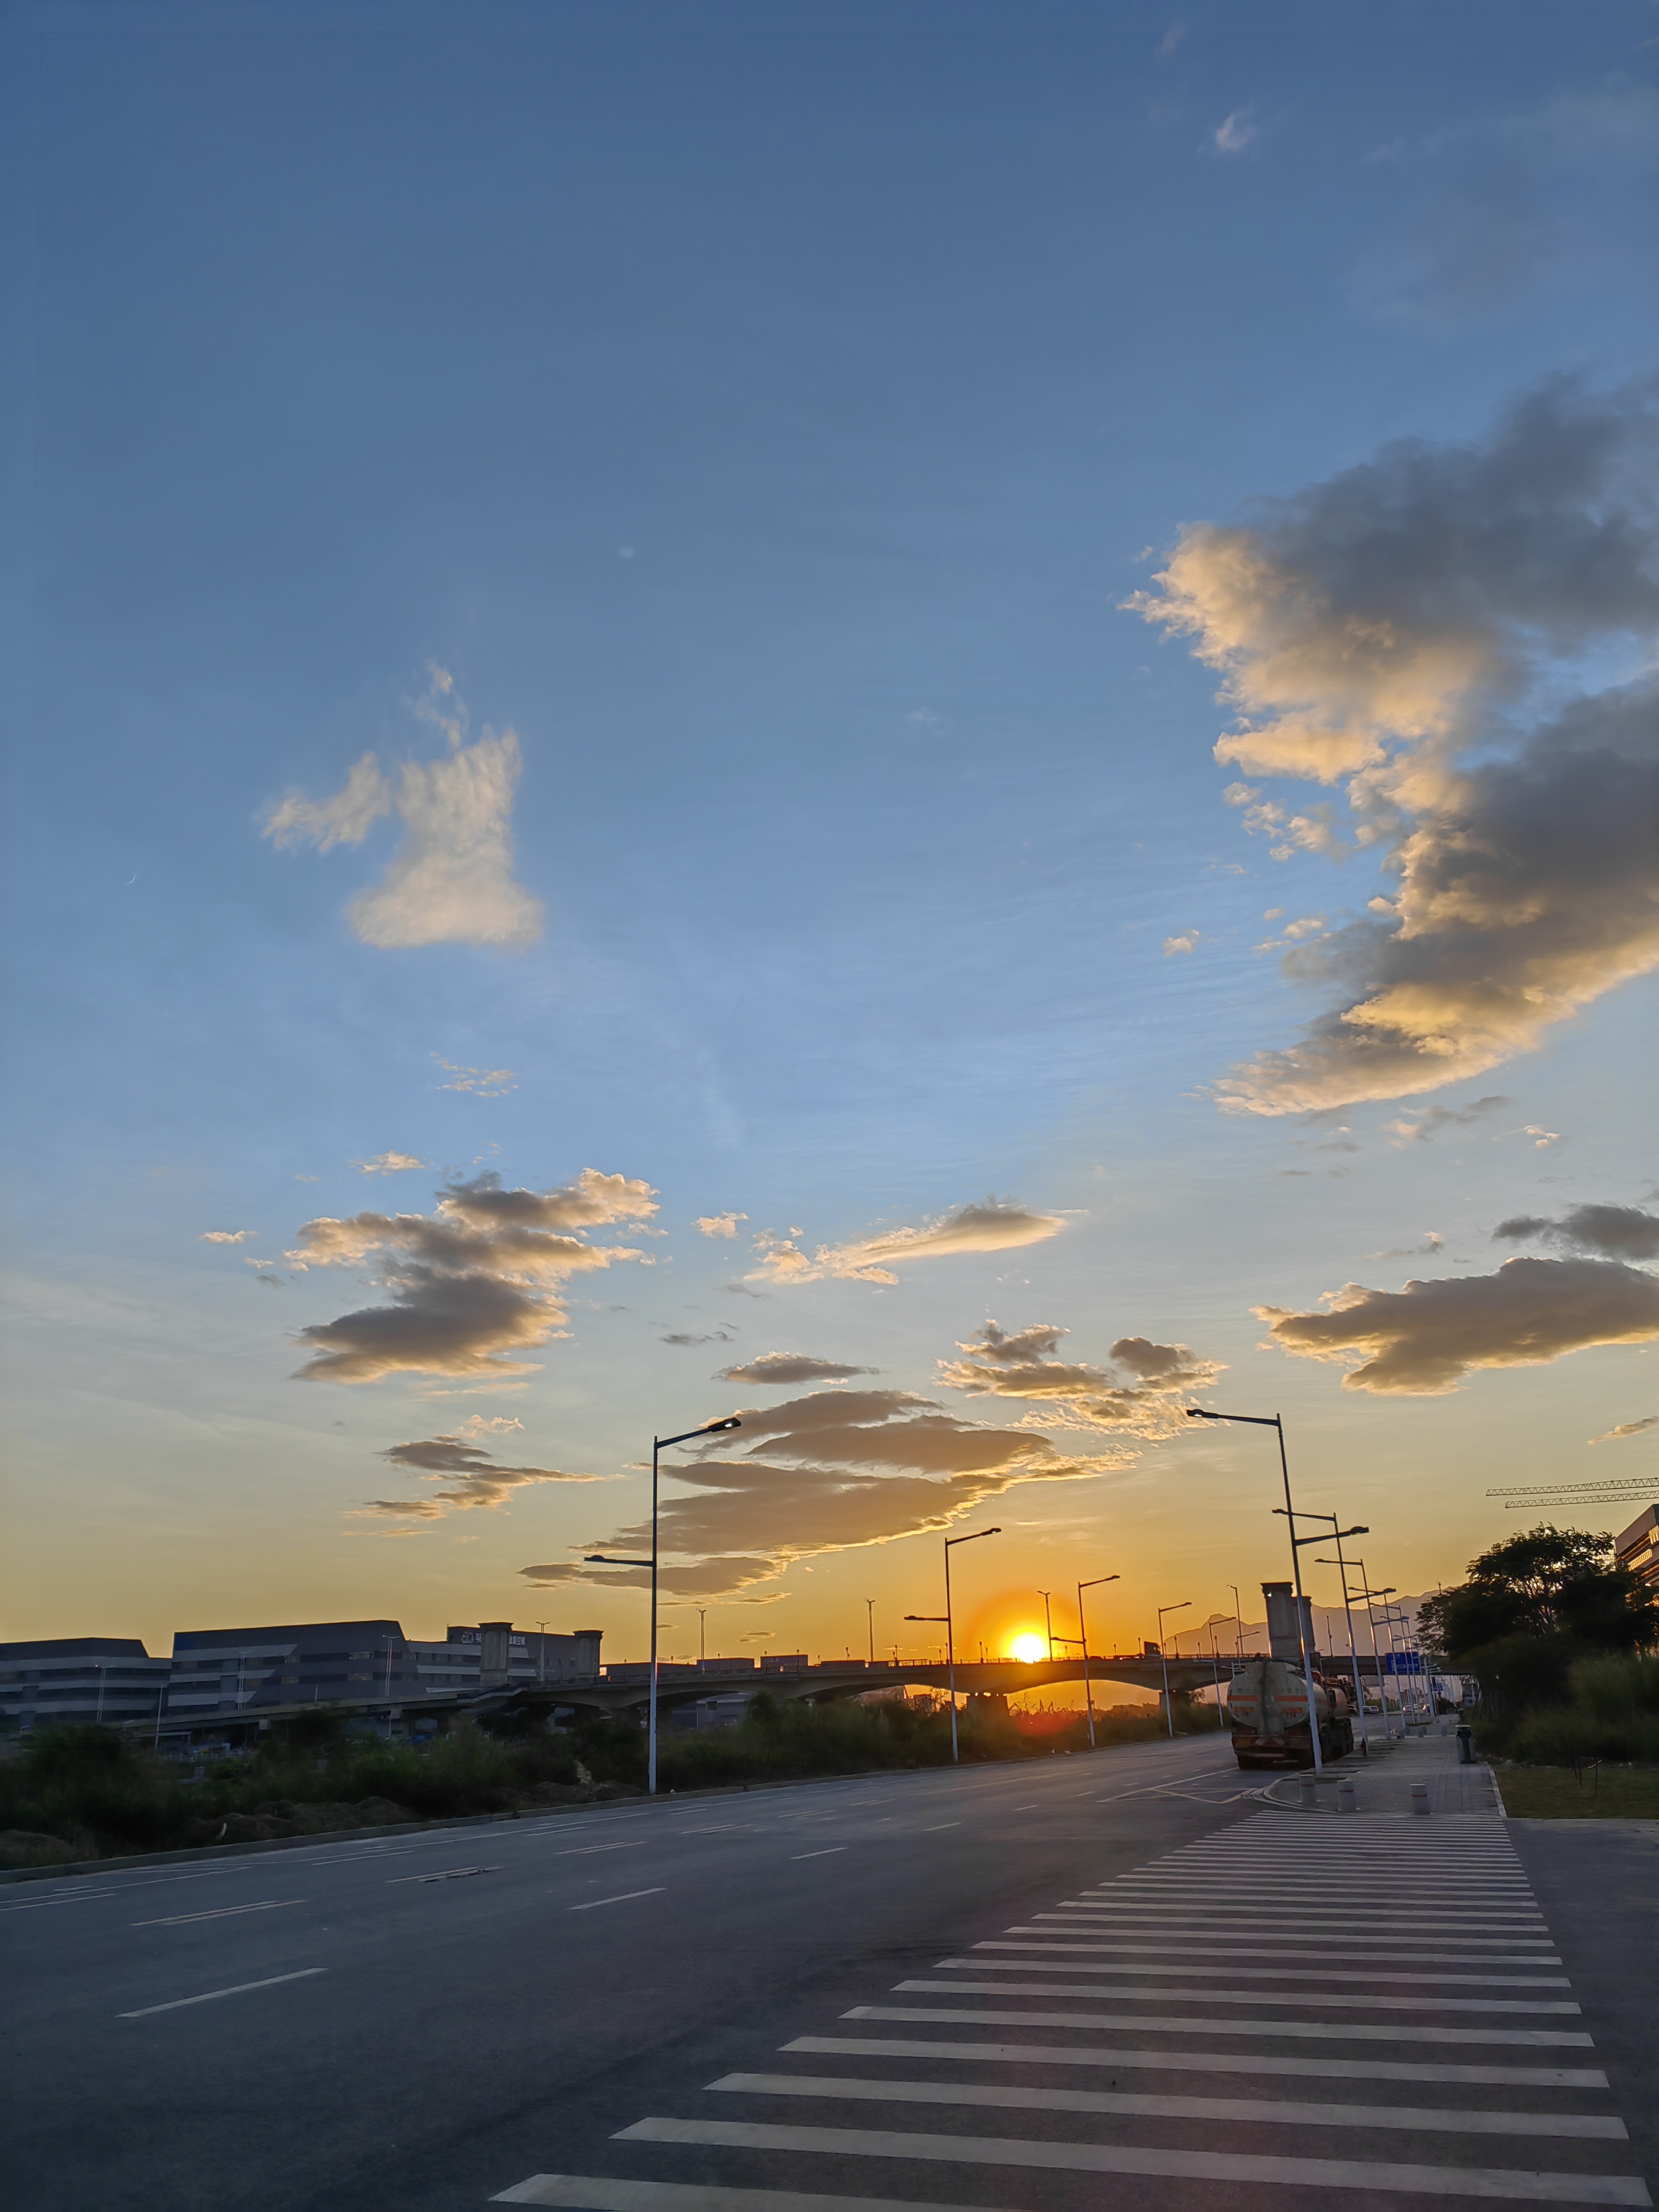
(1517, 2184)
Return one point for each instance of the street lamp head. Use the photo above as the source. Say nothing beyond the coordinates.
(719, 1428)
(1197, 1414)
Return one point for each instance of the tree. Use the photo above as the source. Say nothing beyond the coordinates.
(1534, 1604)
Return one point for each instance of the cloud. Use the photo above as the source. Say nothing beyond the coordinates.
(1424, 1340)
(476, 1479)
(345, 819)
(1187, 942)
(997, 1225)
(1400, 630)
(226, 1236)
(1514, 201)
(1136, 1396)
(1431, 1120)
(483, 1082)
(831, 1472)
(707, 1336)
(718, 1224)
(450, 882)
(1432, 1242)
(1614, 1232)
(772, 1368)
(1627, 1429)
(389, 1163)
(476, 1279)
(1236, 131)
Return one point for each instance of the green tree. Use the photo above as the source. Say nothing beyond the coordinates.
(1532, 1606)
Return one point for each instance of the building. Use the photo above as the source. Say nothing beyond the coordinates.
(1638, 1547)
(227, 1671)
(77, 1679)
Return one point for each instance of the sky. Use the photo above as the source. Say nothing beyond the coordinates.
(934, 724)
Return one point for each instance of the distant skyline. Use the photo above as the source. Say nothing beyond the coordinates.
(939, 726)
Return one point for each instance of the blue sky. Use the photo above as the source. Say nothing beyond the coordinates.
(705, 456)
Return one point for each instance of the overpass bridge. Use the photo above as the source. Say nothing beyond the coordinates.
(628, 1689)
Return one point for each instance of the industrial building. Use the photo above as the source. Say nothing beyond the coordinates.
(1638, 1547)
(73, 1679)
(219, 1673)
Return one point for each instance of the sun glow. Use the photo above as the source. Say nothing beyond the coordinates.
(1029, 1648)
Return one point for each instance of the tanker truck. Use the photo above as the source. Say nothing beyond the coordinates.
(1267, 1711)
(1268, 1698)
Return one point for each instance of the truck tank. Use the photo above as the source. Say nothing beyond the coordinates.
(1267, 1713)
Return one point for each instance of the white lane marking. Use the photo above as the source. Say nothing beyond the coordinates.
(1429, 2119)
(1476, 1905)
(621, 1899)
(587, 2192)
(449, 1873)
(1220, 1946)
(1362, 1923)
(587, 1850)
(1031, 1953)
(235, 1990)
(221, 1913)
(1201, 2061)
(1186, 1927)
(1357, 2003)
(828, 1852)
(1190, 2165)
(1330, 2031)
(937, 1824)
(78, 1897)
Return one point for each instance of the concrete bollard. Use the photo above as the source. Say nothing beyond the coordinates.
(1309, 1798)
(1346, 1801)
(1419, 1796)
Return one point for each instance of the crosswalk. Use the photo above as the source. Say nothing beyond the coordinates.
(1366, 2006)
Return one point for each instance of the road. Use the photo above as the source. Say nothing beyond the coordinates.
(995, 1987)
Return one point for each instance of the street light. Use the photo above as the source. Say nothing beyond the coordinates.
(1347, 1610)
(949, 1631)
(1088, 1692)
(1238, 1622)
(599, 1560)
(870, 1610)
(1047, 1624)
(1273, 1421)
(1168, 1708)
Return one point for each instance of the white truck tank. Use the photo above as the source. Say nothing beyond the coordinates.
(1267, 1711)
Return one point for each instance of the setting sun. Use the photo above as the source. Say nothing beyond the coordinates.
(1031, 1648)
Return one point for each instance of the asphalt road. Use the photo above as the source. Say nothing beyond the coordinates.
(1015, 1987)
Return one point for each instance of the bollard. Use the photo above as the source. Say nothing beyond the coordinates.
(1419, 1796)
(1309, 1799)
(1466, 1746)
(1347, 1802)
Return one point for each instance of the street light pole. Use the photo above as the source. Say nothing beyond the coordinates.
(599, 1560)
(949, 1631)
(1215, 1675)
(1082, 1639)
(1340, 1564)
(1169, 1708)
(1273, 1421)
(870, 1610)
(1238, 1622)
(1047, 1625)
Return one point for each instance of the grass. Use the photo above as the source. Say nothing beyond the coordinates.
(1556, 1793)
(91, 1792)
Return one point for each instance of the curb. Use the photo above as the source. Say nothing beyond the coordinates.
(194, 1852)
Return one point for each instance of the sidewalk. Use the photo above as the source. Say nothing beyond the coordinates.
(1382, 1783)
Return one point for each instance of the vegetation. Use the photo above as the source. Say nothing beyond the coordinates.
(1534, 1608)
(1591, 1793)
(89, 1792)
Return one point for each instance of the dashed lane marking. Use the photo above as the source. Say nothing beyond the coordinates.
(236, 1990)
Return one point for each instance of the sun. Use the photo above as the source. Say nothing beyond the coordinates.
(1029, 1648)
